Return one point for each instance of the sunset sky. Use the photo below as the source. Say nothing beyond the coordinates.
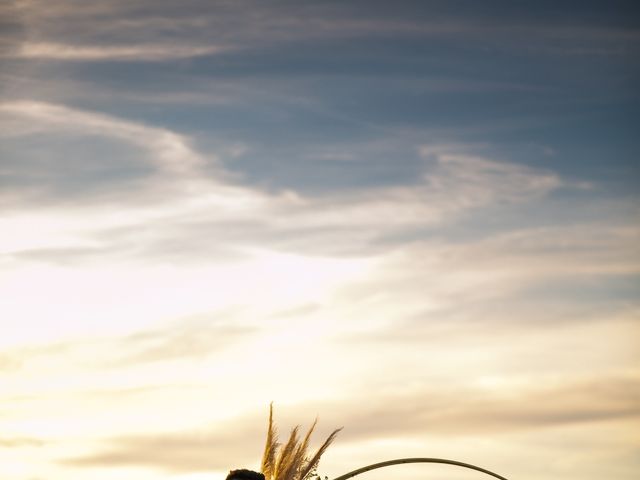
(418, 220)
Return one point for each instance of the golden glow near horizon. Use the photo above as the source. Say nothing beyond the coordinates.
(172, 258)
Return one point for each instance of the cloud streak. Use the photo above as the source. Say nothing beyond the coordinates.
(421, 413)
(57, 51)
(198, 204)
(254, 25)
(191, 339)
(19, 442)
(169, 151)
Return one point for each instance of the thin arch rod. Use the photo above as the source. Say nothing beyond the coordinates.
(400, 461)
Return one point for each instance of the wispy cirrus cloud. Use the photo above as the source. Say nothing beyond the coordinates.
(181, 340)
(170, 151)
(254, 25)
(419, 413)
(182, 451)
(57, 51)
(524, 407)
(210, 201)
(20, 442)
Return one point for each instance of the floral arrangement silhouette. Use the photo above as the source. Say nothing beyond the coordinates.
(291, 461)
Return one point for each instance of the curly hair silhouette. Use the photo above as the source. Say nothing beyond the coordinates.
(243, 474)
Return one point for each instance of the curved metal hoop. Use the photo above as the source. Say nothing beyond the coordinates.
(416, 460)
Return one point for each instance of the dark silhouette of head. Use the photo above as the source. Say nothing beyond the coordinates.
(243, 474)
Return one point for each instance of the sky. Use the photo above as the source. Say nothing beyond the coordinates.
(418, 221)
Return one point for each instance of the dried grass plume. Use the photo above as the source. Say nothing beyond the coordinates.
(291, 461)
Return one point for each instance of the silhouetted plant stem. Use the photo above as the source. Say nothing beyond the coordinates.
(416, 460)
